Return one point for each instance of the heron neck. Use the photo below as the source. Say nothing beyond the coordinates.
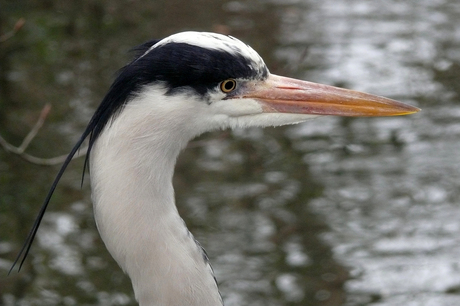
(132, 164)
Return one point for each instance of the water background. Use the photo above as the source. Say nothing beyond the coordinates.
(335, 211)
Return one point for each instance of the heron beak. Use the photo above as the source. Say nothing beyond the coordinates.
(285, 95)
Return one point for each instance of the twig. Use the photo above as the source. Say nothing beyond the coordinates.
(33, 132)
(28, 139)
(17, 26)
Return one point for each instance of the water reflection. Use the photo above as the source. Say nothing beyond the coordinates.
(390, 186)
(332, 212)
(254, 209)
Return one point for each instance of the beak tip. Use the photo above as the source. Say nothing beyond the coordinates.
(411, 110)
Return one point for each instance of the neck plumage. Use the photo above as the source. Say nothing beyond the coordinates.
(132, 164)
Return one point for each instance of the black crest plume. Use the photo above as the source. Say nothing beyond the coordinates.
(110, 105)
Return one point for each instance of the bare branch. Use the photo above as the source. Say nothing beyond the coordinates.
(33, 132)
(51, 161)
(28, 139)
(18, 25)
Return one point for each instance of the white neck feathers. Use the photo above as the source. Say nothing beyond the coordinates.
(132, 164)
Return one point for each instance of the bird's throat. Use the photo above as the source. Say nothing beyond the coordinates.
(136, 215)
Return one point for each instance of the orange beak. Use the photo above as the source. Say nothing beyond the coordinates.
(285, 95)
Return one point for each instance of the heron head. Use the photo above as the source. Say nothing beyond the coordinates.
(227, 84)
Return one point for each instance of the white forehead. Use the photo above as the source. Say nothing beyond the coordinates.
(212, 41)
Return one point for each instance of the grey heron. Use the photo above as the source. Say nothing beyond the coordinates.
(174, 90)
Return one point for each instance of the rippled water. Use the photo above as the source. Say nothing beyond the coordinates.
(334, 211)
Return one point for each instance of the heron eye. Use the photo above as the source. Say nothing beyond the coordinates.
(228, 85)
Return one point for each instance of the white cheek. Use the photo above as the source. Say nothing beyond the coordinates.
(237, 107)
